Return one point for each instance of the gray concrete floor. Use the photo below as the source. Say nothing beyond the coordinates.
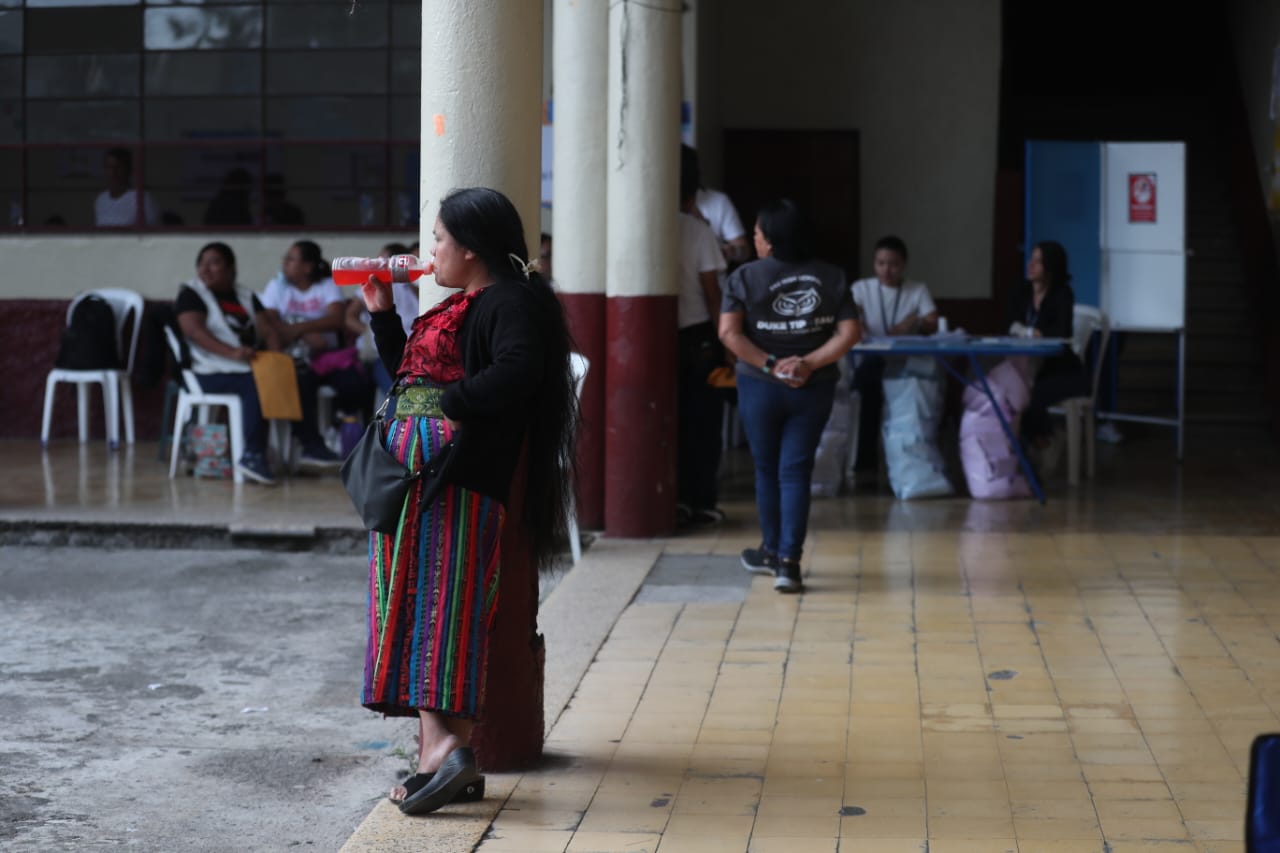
(185, 701)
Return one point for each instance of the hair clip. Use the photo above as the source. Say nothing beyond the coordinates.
(524, 267)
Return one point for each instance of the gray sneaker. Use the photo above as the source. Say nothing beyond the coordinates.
(786, 578)
(759, 561)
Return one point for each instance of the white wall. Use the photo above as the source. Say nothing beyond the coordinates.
(919, 80)
(58, 267)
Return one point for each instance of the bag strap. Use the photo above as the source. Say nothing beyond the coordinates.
(382, 408)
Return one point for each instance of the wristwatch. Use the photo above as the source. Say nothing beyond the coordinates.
(769, 361)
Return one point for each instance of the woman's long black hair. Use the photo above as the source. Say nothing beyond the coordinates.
(486, 222)
(1054, 258)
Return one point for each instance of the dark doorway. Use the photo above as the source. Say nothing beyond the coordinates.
(818, 169)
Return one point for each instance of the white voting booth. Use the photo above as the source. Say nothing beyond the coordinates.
(1119, 209)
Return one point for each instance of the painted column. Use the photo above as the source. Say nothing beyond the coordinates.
(580, 52)
(482, 126)
(481, 108)
(643, 146)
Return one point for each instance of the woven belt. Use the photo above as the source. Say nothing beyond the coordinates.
(419, 401)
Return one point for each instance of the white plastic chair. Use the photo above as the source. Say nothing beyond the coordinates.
(117, 392)
(191, 397)
(1079, 411)
(579, 364)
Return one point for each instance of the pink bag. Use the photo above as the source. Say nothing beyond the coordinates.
(335, 359)
(990, 465)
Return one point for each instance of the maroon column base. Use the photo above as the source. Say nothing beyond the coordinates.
(509, 734)
(640, 416)
(585, 313)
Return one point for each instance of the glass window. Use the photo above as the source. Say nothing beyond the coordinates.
(69, 167)
(198, 2)
(406, 71)
(85, 30)
(50, 4)
(326, 118)
(329, 25)
(342, 72)
(405, 118)
(232, 72)
(10, 122)
(10, 32)
(406, 24)
(10, 169)
(62, 184)
(111, 75)
(382, 4)
(190, 176)
(191, 27)
(77, 121)
(11, 77)
(204, 92)
(203, 118)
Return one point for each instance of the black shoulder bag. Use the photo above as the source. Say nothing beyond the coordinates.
(378, 483)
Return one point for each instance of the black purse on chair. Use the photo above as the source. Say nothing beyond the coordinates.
(378, 483)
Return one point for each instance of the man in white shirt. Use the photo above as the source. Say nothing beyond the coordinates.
(717, 210)
(117, 205)
(888, 305)
(700, 351)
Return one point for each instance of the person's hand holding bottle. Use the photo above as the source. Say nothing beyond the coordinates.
(377, 295)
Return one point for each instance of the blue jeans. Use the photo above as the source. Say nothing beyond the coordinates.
(251, 420)
(783, 427)
(255, 426)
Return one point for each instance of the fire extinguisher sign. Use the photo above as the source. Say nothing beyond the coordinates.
(1142, 197)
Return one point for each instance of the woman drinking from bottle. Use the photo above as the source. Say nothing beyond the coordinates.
(487, 367)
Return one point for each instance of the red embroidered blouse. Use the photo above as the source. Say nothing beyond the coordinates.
(432, 351)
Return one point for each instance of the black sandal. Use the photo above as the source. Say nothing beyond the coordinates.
(414, 784)
(472, 793)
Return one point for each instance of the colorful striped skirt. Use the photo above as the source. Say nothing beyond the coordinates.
(433, 591)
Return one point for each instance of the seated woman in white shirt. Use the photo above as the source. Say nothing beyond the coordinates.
(308, 311)
(888, 305)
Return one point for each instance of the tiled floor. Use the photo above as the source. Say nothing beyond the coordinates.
(974, 677)
(1091, 684)
(1025, 692)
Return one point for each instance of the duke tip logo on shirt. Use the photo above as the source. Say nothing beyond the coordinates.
(797, 303)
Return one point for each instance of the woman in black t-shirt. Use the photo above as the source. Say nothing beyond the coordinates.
(789, 318)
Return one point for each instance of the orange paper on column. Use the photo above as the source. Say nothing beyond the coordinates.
(437, 121)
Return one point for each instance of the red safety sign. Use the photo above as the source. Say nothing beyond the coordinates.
(1142, 197)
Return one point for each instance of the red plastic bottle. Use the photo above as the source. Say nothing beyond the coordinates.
(398, 269)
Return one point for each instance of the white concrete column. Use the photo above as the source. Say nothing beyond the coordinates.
(643, 185)
(580, 52)
(482, 126)
(481, 108)
(643, 145)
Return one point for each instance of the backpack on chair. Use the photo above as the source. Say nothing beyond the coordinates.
(89, 341)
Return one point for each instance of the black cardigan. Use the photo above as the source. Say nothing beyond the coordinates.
(502, 357)
(1055, 320)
